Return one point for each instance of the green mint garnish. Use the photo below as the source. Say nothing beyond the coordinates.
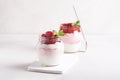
(59, 33)
(77, 23)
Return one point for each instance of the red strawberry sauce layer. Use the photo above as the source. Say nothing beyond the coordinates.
(69, 28)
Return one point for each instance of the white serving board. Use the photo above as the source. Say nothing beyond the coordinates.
(67, 62)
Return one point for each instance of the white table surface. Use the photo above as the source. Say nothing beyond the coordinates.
(100, 62)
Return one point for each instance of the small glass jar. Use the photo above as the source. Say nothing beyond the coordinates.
(50, 54)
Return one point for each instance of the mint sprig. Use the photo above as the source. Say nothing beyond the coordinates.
(59, 33)
(77, 23)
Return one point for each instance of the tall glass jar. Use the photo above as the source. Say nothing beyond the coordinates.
(72, 35)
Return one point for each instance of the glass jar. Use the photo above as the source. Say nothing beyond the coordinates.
(50, 54)
(71, 39)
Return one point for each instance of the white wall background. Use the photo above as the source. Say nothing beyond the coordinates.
(35, 16)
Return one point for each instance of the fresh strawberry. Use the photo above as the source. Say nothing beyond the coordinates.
(64, 24)
(69, 24)
(49, 33)
(70, 27)
(47, 41)
(52, 41)
(50, 37)
(79, 30)
(43, 35)
(65, 30)
(70, 30)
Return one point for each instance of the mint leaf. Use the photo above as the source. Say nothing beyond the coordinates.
(77, 23)
(61, 33)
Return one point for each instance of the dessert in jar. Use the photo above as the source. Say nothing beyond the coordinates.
(71, 36)
(51, 49)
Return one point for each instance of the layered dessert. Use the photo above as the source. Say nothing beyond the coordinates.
(51, 49)
(71, 36)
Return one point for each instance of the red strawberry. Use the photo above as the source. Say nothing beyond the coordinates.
(47, 41)
(64, 24)
(76, 28)
(70, 30)
(79, 30)
(67, 24)
(52, 41)
(64, 28)
(49, 33)
(43, 35)
(49, 38)
(70, 27)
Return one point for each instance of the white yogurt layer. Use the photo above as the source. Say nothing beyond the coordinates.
(72, 47)
(51, 54)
